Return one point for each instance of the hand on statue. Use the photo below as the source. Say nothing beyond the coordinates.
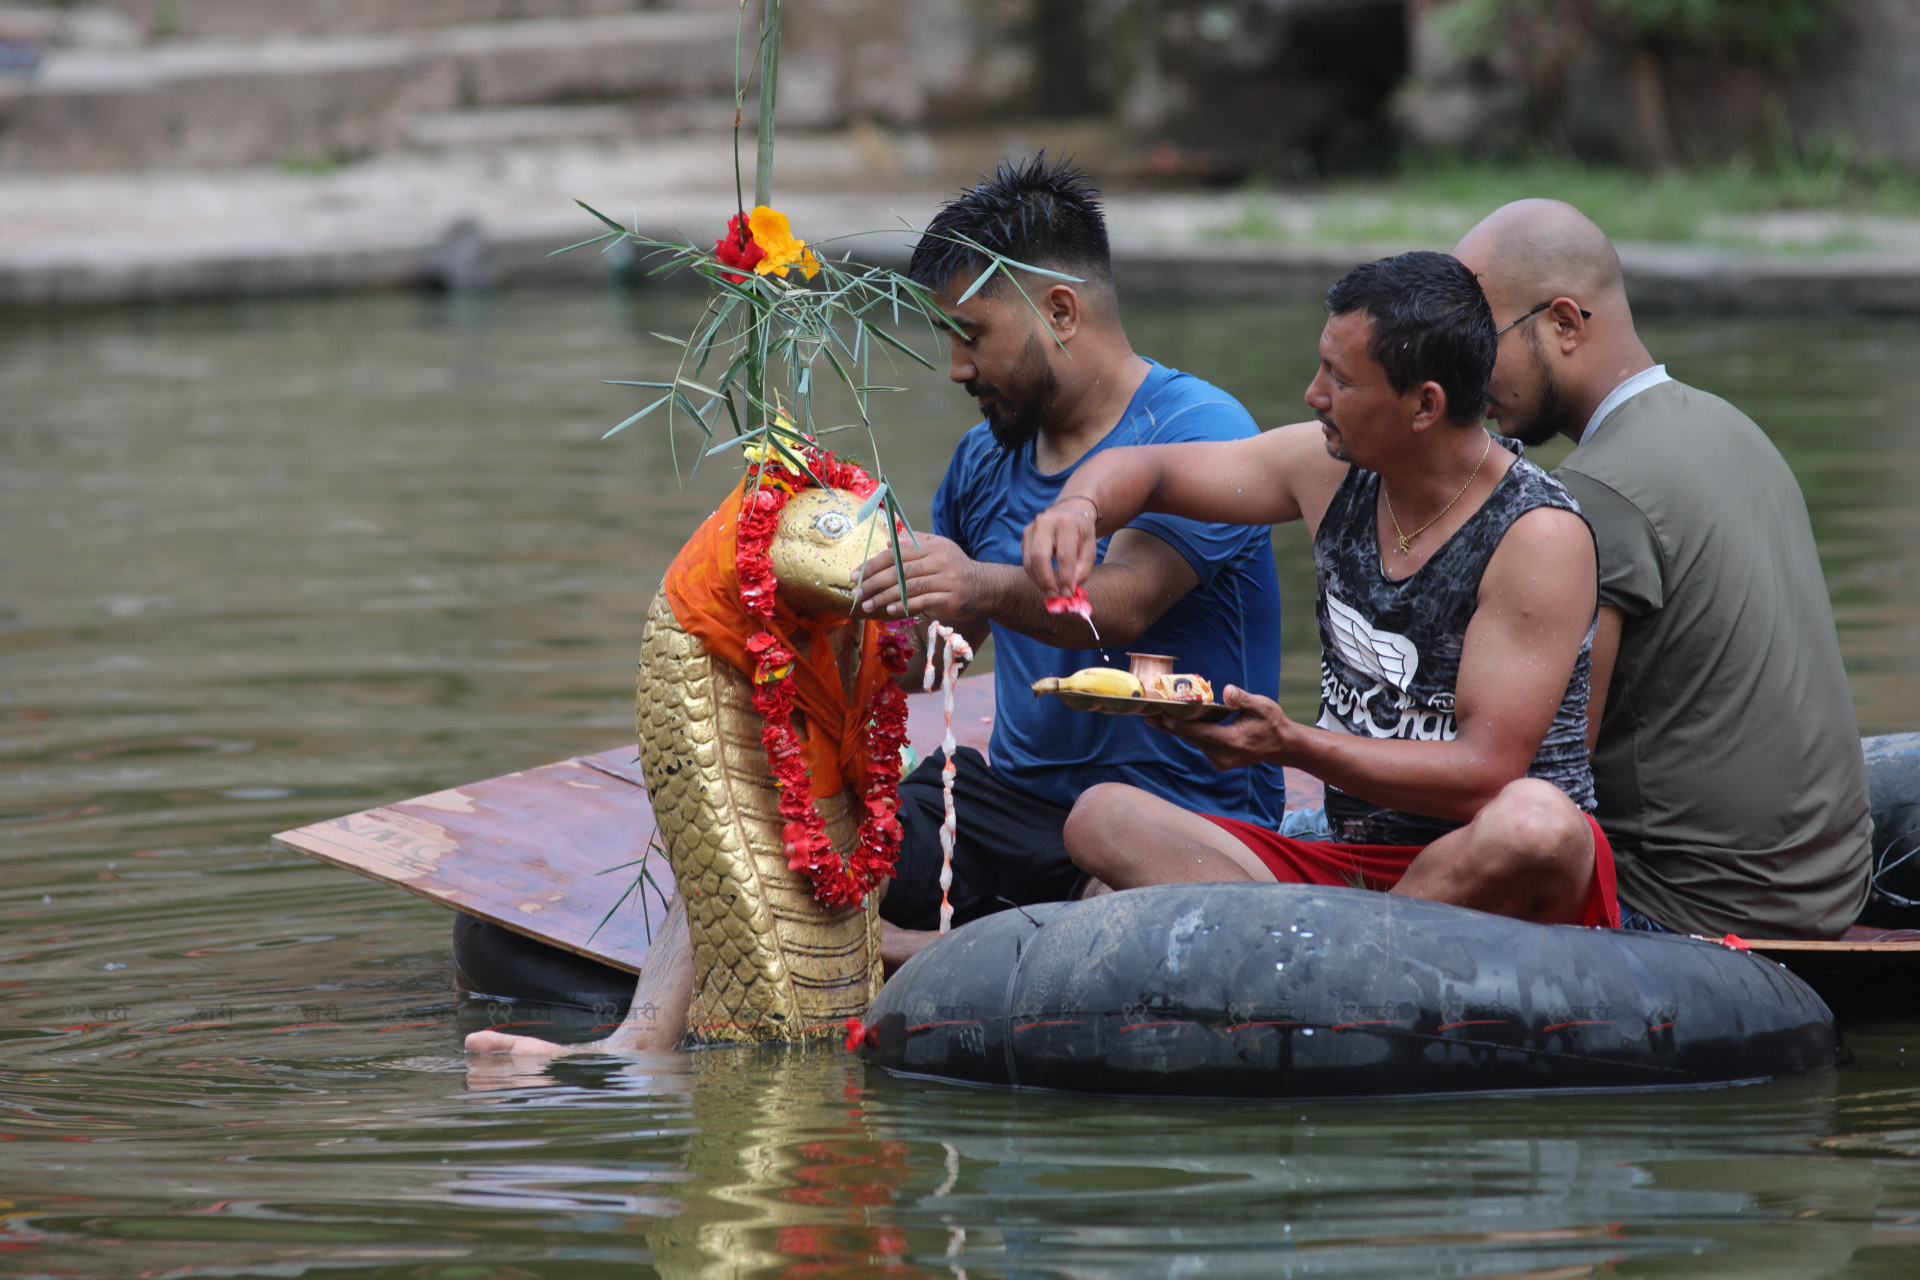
(1261, 732)
(1058, 549)
(943, 582)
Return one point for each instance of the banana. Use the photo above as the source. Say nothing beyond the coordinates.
(1106, 681)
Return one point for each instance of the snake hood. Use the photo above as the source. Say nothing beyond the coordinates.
(770, 962)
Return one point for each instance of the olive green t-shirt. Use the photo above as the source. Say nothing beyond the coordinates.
(1728, 773)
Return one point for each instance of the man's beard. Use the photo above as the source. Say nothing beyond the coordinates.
(1019, 410)
(1337, 445)
(1551, 416)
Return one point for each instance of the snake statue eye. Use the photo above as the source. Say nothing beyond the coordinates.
(833, 525)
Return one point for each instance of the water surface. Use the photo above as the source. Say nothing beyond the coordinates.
(264, 564)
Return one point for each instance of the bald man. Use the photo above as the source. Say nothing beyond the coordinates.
(1726, 755)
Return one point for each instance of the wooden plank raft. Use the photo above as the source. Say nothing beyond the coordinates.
(532, 850)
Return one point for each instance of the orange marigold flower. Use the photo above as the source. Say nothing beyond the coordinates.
(774, 234)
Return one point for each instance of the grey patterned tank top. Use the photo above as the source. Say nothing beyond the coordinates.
(1390, 651)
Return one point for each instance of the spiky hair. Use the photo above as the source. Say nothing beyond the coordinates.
(1431, 322)
(1039, 213)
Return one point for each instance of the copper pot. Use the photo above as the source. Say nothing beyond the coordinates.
(1148, 667)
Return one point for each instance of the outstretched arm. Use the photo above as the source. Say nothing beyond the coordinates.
(1139, 580)
(1536, 603)
(1282, 475)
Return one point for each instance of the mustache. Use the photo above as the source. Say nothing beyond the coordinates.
(978, 389)
(1326, 422)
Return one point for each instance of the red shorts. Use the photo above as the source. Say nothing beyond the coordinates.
(1380, 866)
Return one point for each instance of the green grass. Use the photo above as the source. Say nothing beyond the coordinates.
(1434, 202)
(311, 166)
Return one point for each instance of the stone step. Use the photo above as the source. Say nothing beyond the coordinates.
(209, 105)
(495, 128)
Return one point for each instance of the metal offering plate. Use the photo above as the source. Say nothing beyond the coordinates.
(1115, 705)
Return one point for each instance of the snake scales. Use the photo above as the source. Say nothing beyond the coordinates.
(770, 962)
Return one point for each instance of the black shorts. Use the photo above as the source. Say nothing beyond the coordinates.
(1009, 847)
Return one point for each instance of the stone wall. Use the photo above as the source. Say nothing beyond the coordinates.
(1189, 89)
(1856, 92)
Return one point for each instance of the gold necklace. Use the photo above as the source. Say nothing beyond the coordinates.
(1406, 538)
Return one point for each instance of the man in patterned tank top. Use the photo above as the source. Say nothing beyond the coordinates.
(1456, 605)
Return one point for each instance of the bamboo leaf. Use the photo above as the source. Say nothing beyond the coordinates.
(1000, 261)
(667, 337)
(681, 399)
(643, 413)
(979, 282)
(703, 390)
(892, 341)
(893, 508)
(624, 895)
(839, 369)
(899, 564)
(603, 217)
(732, 371)
(872, 503)
(739, 441)
(611, 235)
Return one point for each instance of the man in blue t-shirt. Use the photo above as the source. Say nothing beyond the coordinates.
(1049, 363)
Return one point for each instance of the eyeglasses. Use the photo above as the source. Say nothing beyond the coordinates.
(1584, 315)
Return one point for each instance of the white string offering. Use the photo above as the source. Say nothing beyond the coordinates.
(958, 653)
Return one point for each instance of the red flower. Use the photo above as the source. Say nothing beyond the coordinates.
(738, 249)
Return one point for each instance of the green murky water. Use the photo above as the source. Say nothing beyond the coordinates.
(263, 565)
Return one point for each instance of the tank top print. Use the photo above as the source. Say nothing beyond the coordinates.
(1390, 651)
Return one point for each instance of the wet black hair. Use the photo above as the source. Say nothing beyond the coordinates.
(1431, 323)
(1042, 213)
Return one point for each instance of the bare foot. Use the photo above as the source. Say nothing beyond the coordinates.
(528, 1047)
(656, 1020)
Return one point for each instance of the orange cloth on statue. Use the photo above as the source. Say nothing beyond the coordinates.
(703, 586)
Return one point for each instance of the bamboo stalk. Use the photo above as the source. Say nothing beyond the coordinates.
(769, 90)
(763, 188)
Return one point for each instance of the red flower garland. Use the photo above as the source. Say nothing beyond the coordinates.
(836, 883)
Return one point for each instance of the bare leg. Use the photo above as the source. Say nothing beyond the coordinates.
(657, 1018)
(1126, 838)
(897, 945)
(1528, 854)
(1094, 887)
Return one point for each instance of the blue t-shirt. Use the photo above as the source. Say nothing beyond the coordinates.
(1226, 629)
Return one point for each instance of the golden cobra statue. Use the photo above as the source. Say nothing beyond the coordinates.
(769, 961)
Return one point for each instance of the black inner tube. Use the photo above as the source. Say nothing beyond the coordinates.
(1293, 991)
(494, 962)
(1893, 790)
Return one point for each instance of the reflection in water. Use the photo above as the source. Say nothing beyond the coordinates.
(264, 564)
(790, 1174)
(800, 1164)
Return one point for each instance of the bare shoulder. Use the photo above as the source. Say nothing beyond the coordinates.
(1546, 557)
(1299, 454)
